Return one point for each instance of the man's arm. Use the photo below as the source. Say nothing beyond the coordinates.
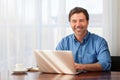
(88, 67)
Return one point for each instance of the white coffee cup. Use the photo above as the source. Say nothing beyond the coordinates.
(19, 67)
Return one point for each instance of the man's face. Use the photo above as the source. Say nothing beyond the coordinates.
(79, 23)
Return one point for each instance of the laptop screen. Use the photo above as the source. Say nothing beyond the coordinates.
(55, 61)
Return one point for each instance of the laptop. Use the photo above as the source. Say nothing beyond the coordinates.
(55, 61)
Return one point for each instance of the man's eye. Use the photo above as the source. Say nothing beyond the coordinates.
(82, 20)
(74, 21)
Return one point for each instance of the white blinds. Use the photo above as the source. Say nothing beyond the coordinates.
(29, 24)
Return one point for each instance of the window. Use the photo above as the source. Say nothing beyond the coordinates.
(55, 19)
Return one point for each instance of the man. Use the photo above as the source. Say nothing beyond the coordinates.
(90, 51)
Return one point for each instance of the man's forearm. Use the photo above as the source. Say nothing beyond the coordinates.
(89, 67)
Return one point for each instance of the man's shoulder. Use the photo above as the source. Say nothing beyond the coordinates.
(66, 40)
(70, 36)
(96, 36)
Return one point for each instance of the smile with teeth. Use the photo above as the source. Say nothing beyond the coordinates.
(78, 29)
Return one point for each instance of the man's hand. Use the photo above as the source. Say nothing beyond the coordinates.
(79, 66)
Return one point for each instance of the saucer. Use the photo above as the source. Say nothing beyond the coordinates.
(20, 71)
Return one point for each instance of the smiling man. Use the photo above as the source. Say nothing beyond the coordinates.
(90, 51)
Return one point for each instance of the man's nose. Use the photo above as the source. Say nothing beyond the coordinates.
(78, 23)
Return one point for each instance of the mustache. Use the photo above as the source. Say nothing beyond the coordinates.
(80, 27)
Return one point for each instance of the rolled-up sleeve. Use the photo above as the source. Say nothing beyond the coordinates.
(104, 56)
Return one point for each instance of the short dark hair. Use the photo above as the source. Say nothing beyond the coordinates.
(78, 10)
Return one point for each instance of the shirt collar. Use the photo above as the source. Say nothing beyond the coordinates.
(84, 39)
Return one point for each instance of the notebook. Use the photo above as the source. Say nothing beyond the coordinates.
(55, 61)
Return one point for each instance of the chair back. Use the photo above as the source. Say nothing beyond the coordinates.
(115, 63)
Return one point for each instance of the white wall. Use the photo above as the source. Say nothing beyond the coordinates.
(115, 27)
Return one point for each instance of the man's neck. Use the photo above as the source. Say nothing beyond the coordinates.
(80, 37)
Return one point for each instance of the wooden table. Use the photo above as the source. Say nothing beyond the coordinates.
(8, 75)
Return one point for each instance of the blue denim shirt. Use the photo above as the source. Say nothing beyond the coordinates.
(92, 49)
